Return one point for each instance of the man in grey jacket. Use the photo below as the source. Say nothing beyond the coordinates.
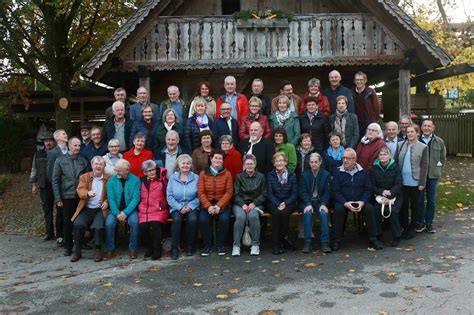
(66, 172)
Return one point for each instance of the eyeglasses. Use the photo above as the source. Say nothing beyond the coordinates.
(151, 170)
(348, 158)
(225, 109)
(114, 146)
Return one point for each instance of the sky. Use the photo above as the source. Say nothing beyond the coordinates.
(463, 10)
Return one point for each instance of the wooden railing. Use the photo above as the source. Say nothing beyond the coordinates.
(200, 41)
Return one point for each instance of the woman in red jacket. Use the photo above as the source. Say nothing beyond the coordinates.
(153, 208)
(368, 148)
(314, 90)
(233, 158)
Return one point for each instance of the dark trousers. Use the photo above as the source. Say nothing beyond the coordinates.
(205, 218)
(280, 224)
(47, 203)
(340, 213)
(151, 235)
(88, 218)
(69, 207)
(393, 219)
(411, 199)
(191, 228)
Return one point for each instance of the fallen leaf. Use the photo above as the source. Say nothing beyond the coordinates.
(275, 261)
(459, 205)
(311, 264)
(233, 291)
(371, 249)
(152, 306)
(350, 270)
(109, 303)
(221, 310)
(391, 273)
(108, 284)
(268, 313)
(383, 313)
(450, 257)
(222, 296)
(197, 284)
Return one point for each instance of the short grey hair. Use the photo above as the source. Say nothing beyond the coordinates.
(250, 157)
(379, 129)
(388, 123)
(163, 118)
(117, 103)
(229, 78)
(112, 141)
(139, 135)
(316, 155)
(123, 164)
(98, 158)
(147, 164)
(172, 87)
(56, 133)
(314, 81)
(227, 138)
(352, 151)
(172, 133)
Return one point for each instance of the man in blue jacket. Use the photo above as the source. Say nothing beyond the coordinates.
(352, 190)
(335, 89)
(123, 193)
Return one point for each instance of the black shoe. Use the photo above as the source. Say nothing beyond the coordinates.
(85, 246)
(289, 245)
(221, 251)
(67, 252)
(430, 228)
(394, 242)
(47, 238)
(408, 235)
(420, 227)
(307, 247)
(148, 252)
(325, 248)
(336, 246)
(376, 244)
(205, 251)
(276, 251)
(156, 255)
(189, 251)
(174, 253)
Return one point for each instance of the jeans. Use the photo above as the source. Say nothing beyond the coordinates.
(426, 214)
(191, 228)
(110, 224)
(308, 224)
(241, 218)
(69, 208)
(223, 217)
(411, 198)
(340, 216)
(92, 218)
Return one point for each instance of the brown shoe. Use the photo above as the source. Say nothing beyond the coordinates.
(76, 256)
(133, 255)
(109, 255)
(98, 255)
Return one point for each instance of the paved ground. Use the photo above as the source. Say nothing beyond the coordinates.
(429, 274)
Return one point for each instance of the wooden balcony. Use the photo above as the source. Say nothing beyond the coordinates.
(200, 42)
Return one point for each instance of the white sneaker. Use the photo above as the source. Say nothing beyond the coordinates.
(254, 250)
(235, 251)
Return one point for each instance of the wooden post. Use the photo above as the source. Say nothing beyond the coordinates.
(404, 91)
(144, 78)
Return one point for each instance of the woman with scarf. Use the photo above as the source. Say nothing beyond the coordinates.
(255, 114)
(284, 118)
(315, 123)
(368, 148)
(332, 156)
(282, 196)
(314, 90)
(204, 90)
(198, 122)
(170, 122)
(345, 123)
(147, 126)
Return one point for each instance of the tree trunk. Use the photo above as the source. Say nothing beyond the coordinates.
(63, 116)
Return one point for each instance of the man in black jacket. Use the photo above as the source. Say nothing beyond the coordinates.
(263, 149)
(118, 126)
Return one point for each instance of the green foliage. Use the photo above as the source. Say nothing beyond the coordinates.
(13, 132)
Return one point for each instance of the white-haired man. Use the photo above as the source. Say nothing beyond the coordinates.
(176, 103)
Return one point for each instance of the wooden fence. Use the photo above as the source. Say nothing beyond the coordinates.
(457, 131)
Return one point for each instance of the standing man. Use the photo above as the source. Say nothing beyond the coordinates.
(60, 137)
(92, 208)
(39, 182)
(367, 106)
(436, 161)
(67, 170)
(403, 124)
(391, 136)
(118, 127)
(238, 102)
(123, 194)
(286, 88)
(257, 89)
(85, 134)
(263, 149)
(352, 188)
(335, 89)
(176, 103)
(96, 147)
(136, 109)
(120, 95)
(225, 124)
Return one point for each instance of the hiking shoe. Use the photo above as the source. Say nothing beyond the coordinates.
(307, 247)
(205, 251)
(430, 228)
(221, 251)
(325, 248)
(254, 250)
(420, 228)
(236, 251)
(376, 244)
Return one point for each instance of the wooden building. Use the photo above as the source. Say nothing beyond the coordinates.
(182, 42)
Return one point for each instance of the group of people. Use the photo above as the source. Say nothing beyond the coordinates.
(199, 164)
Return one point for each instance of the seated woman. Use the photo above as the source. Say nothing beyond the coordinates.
(112, 157)
(387, 185)
(282, 195)
(369, 146)
(153, 208)
(202, 154)
(215, 191)
(332, 157)
(284, 118)
(183, 202)
(233, 158)
(250, 195)
(314, 195)
(281, 145)
(255, 114)
(170, 122)
(195, 124)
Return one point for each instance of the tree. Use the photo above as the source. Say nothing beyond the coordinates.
(50, 40)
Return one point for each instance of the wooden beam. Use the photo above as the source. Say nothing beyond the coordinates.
(404, 92)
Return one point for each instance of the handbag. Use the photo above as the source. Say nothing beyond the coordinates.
(246, 238)
(380, 200)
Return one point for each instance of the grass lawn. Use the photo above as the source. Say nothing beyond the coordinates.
(451, 196)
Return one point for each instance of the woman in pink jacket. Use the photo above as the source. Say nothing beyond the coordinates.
(153, 208)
